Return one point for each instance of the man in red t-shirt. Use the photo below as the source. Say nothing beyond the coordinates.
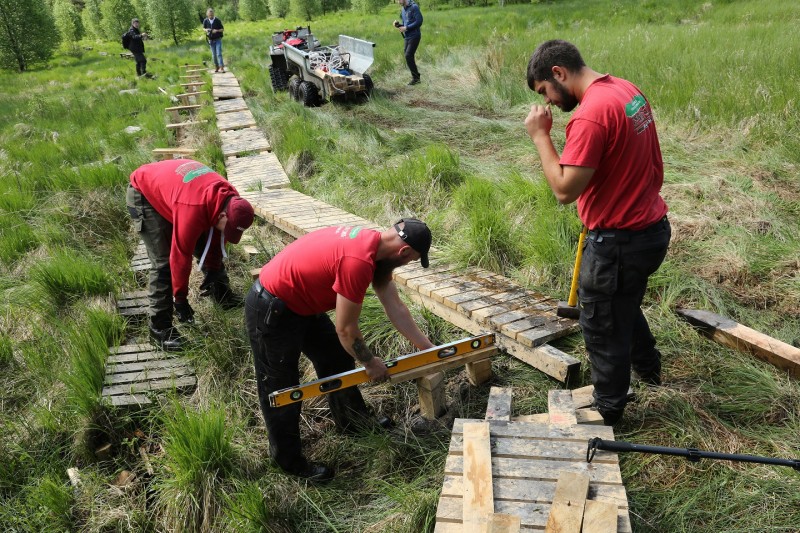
(285, 314)
(176, 206)
(612, 166)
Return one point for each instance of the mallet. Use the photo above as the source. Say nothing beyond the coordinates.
(570, 309)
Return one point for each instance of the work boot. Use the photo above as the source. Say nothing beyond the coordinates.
(169, 339)
(314, 472)
(414, 81)
(609, 417)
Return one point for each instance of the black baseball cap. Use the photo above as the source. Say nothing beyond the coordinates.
(417, 235)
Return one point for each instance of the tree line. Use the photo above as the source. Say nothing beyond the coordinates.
(32, 30)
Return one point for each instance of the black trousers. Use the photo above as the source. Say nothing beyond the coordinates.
(411, 46)
(156, 233)
(613, 278)
(141, 63)
(276, 356)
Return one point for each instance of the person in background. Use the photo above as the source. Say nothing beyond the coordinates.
(285, 314)
(214, 30)
(135, 40)
(409, 27)
(611, 164)
(182, 208)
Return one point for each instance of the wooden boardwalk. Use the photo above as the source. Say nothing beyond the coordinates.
(235, 120)
(229, 106)
(133, 370)
(526, 461)
(256, 172)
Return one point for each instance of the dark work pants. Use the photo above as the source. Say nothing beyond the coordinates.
(141, 63)
(156, 233)
(613, 278)
(411, 46)
(276, 355)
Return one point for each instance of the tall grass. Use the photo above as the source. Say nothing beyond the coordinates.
(198, 457)
(67, 276)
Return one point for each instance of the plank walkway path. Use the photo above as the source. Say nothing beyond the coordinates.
(475, 300)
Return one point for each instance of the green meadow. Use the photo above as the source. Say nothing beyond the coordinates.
(723, 78)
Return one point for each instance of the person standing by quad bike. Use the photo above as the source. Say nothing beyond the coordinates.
(214, 30)
(133, 40)
(182, 208)
(409, 28)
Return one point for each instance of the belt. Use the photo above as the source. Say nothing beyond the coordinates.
(262, 292)
(599, 235)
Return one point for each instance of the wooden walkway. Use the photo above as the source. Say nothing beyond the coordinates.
(250, 166)
(133, 370)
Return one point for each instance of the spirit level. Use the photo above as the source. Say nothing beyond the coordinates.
(359, 375)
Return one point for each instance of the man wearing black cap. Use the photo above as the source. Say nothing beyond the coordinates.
(285, 314)
(182, 208)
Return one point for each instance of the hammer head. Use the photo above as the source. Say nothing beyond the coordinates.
(564, 310)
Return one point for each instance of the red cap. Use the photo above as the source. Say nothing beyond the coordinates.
(240, 217)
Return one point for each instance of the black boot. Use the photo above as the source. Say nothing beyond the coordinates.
(314, 472)
(217, 287)
(169, 339)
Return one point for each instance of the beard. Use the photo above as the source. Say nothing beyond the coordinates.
(568, 102)
(383, 271)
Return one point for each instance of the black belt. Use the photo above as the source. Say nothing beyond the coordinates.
(599, 235)
(262, 292)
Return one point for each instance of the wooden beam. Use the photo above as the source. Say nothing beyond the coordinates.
(479, 372)
(499, 405)
(734, 335)
(478, 493)
(504, 523)
(432, 402)
(566, 513)
(561, 407)
(600, 517)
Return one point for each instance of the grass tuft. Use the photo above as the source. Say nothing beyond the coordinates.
(68, 276)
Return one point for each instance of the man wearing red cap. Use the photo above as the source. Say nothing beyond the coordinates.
(285, 314)
(182, 208)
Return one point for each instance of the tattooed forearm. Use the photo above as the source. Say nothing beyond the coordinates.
(363, 353)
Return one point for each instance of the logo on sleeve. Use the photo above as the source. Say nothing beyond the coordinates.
(192, 170)
(639, 112)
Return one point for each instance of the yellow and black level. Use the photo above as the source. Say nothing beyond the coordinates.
(395, 366)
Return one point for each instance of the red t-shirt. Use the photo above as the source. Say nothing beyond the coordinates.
(309, 273)
(613, 132)
(189, 195)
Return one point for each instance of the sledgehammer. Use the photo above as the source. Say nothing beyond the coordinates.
(570, 309)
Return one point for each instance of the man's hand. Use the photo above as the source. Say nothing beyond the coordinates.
(376, 370)
(402, 29)
(184, 311)
(539, 121)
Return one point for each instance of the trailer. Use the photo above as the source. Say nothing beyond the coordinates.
(319, 73)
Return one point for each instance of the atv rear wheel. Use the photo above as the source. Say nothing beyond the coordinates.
(309, 94)
(368, 85)
(278, 78)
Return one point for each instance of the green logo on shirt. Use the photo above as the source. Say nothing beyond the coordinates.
(633, 107)
(192, 170)
(354, 231)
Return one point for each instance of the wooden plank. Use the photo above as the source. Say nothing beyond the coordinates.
(499, 406)
(148, 375)
(532, 515)
(734, 335)
(235, 120)
(536, 418)
(166, 384)
(185, 124)
(479, 372)
(219, 92)
(584, 396)
(537, 449)
(141, 356)
(580, 434)
(549, 360)
(504, 523)
(599, 517)
(531, 489)
(131, 348)
(229, 106)
(478, 499)
(560, 407)
(588, 416)
(128, 399)
(240, 141)
(431, 393)
(566, 513)
(150, 364)
(183, 107)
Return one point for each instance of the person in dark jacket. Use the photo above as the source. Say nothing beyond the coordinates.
(182, 208)
(214, 29)
(409, 28)
(136, 47)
